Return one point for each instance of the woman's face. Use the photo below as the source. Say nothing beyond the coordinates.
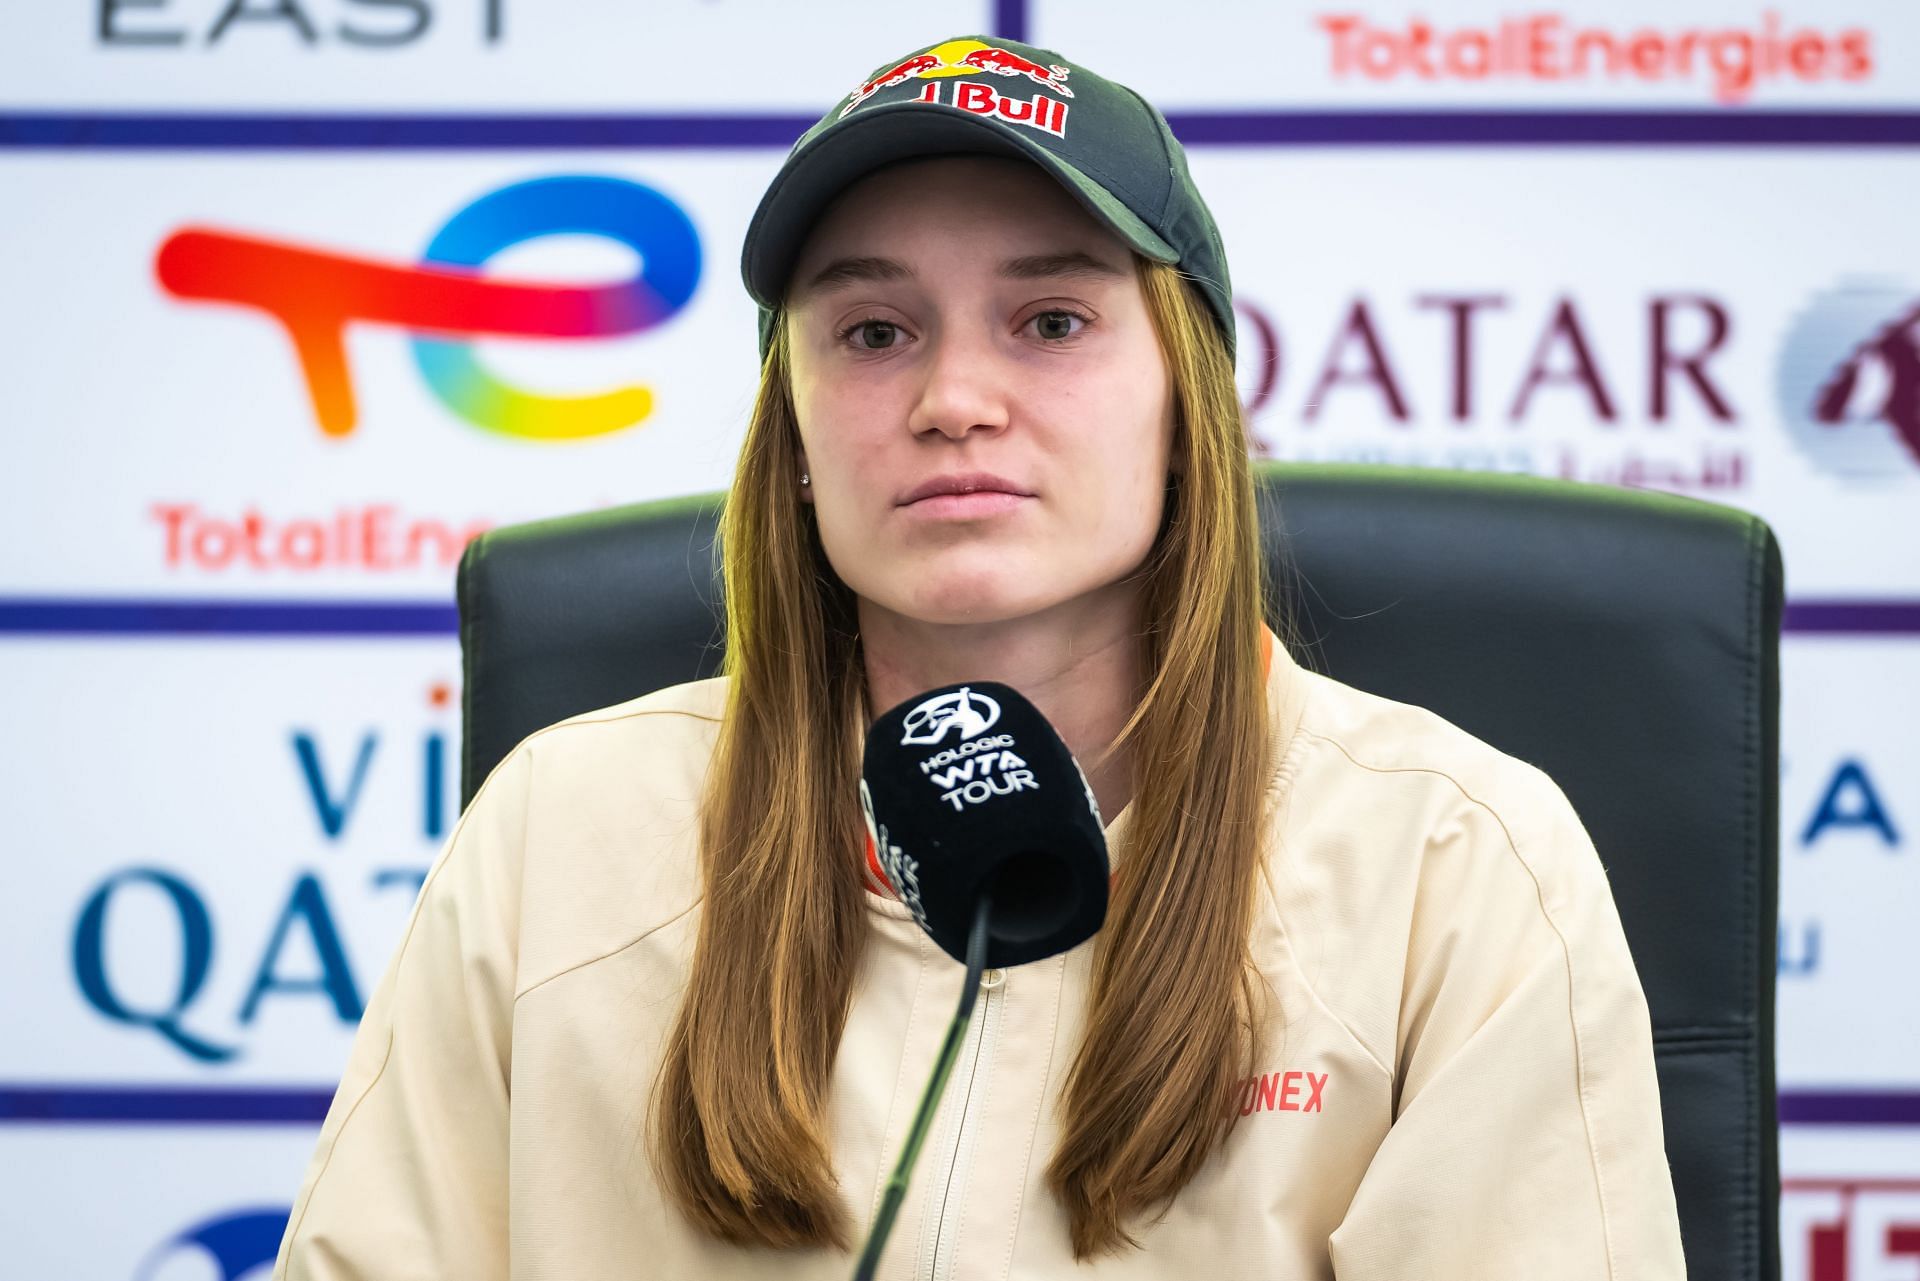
(984, 410)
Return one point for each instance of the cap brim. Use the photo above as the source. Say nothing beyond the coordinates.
(875, 136)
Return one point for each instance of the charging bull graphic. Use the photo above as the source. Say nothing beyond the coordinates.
(963, 58)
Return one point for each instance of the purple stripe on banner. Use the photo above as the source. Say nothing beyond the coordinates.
(1548, 128)
(354, 132)
(84, 1105)
(1850, 1107)
(54, 617)
(1199, 128)
(1010, 20)
(96, 1105)
(1852, 617)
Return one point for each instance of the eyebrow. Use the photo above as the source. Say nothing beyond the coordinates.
(1077, 265)
(1071, 265)
(853, 271)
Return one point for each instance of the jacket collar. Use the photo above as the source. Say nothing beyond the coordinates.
(1285, 703)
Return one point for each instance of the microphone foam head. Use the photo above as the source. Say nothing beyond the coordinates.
(968, 791)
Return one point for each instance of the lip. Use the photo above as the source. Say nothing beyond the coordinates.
(962, 484)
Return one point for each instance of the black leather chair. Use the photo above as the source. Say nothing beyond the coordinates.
(1627, 643)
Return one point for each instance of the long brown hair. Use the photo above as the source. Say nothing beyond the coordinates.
(740, 1132)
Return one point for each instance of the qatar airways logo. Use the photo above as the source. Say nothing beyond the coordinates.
(1546, 48)
(1849, 381)
(1619, 390)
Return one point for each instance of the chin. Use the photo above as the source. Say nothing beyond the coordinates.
(951, 608)
(989, 596)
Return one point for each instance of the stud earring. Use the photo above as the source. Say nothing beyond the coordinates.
(805, 480)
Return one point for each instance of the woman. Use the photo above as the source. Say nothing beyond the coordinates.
(1361, 1007)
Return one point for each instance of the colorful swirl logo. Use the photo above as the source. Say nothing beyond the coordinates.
(314, 294)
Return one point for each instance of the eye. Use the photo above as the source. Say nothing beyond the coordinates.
(872, 335)
(1057, 325)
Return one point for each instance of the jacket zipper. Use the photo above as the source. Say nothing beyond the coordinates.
(956, 1149)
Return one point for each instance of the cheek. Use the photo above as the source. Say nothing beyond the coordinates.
(846, 465)
(842, 421)
(850, 472)
(1134, 521)
(1127, 458)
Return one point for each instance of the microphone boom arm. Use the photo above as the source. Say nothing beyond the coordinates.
(929, 1101)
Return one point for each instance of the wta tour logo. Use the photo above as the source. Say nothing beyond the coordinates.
(315, 294)
(1849, 381)
(964, 710)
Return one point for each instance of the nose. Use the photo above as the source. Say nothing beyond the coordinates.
(966, 389)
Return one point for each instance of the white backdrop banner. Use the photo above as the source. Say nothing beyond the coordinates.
(253, 418)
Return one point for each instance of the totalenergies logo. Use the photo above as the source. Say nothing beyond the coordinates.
(315, 293)
(1849, 380)
(974, 58)
(1551, 48)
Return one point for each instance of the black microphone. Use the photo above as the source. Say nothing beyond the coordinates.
(969, 795)
(990, 834)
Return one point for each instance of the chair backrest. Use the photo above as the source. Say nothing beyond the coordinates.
(1626, 643)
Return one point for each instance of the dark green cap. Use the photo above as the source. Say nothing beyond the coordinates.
(1103, 142)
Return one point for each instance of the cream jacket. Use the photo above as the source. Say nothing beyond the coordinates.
(1459, 1083)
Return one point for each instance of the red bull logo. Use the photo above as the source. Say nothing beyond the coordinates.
(914, 66)
(1001, 63)
(965, 58)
